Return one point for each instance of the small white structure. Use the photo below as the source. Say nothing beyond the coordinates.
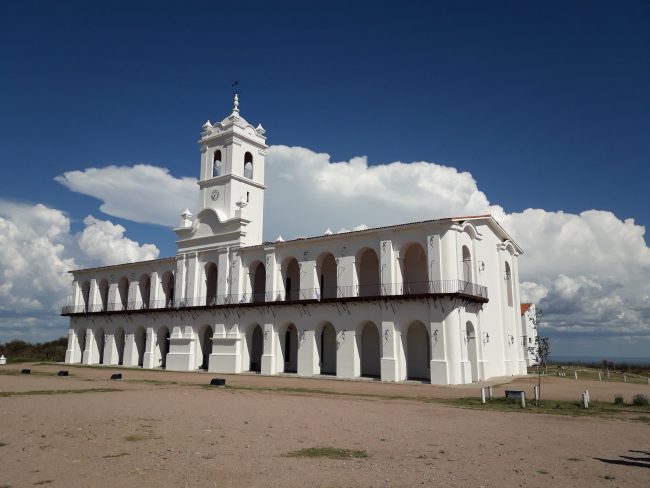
(528, 331)
(3, 360)
(436, 300)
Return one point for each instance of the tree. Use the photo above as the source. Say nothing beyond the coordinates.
(540, 351)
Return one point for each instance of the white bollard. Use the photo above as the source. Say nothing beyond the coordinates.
(523, 400)
(536, 391)
(482, 395)
(490, 393)
(585, 400)
(575, 374)
(3, 360)
(600, 376)
(624, 379)
(588, 397)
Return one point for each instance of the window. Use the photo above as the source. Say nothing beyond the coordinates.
(216, 163)
(248, 165)
(287, 348)
(248, 196)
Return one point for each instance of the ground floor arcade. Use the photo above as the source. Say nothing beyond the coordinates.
(442, 342)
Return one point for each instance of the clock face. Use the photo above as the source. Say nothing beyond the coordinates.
(215, 194)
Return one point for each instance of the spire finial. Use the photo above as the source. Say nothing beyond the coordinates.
(235, 110)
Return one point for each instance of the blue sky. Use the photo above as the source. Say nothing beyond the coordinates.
(546, 104)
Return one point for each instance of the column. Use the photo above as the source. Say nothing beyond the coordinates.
(386, 265)
(268, 352)
(348, 363)
(149, 361)
(388, 338)
(307, 354)
(130, 350)
(87, 354)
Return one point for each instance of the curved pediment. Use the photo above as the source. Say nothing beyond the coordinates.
(209, 222)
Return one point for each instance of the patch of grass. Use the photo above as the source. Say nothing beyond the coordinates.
(328, 452)
(154, 382)
(119, 454)
(574, 459)
(608, 477)
(55, 392)
(135, 438)
(640, 400)
(2, 444)
(556, 407)
(140, 437)
(43, 482)
(541, 471)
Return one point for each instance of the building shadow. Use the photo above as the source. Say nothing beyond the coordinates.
(634, 461)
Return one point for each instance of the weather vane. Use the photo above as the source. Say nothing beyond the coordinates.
(235, 87)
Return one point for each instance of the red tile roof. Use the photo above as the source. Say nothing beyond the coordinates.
(525, 307)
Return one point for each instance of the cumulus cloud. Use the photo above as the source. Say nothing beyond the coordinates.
(588, 271)
(141, 193)
(38, 250)
(349, 194)
(105, 241)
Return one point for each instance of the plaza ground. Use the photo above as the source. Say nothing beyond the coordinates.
(159, 427)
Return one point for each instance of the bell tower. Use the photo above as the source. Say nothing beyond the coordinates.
(231, 185)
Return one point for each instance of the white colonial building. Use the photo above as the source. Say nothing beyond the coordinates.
(436, 300)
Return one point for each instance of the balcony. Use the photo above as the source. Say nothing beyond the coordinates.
(391, 291)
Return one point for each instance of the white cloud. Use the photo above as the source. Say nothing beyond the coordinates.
(588, 271)
(38, 250)
(105, 241)
(140, 193)
(349, 194)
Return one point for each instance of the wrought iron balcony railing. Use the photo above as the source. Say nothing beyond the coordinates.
(459, 288)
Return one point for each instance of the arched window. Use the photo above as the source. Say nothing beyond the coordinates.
(144, 286)
(248, 165)
(123, 292)
(508, 278)
(467, 265)
(85, 295)
(216, 163)
(211, 278)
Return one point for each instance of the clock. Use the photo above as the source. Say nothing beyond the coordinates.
(215, 194)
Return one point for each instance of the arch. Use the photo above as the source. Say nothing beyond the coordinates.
(140, 339)
(248, 165)
(103, 293)
(472, 349)
(289, 348)
(326, 346)
(255, 346)
(258, 282)
(508, 279)
(144, 286)
(81, 343)
(211, 279)
(216, 163)
(368, 273)
(418, 352)
(85, 295)
(123, 293)
(99, 345)
(369, 346)
(119, 339)
(168, 289)
(162, 345)
(327, 275)
(205, 346)
(414, 269)
(291, 279)
(466, 265)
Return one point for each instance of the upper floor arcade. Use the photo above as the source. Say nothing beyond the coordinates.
(463, 258)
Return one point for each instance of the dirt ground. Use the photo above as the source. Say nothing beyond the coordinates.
(153, 433)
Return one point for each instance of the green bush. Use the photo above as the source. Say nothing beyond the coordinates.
(619, 400)
(640, 400)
